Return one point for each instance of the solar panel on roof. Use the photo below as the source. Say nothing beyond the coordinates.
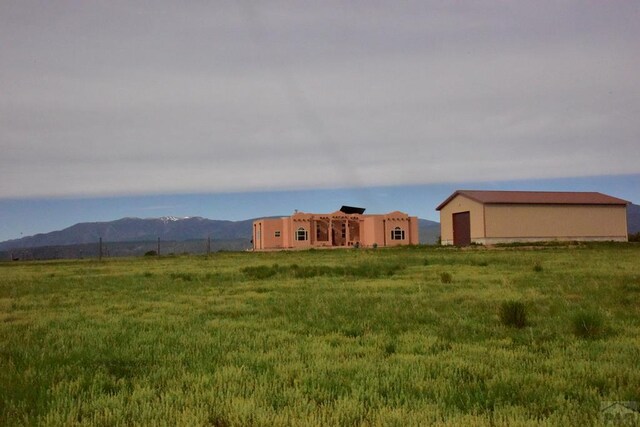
(352, 210)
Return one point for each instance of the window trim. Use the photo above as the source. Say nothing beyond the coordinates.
(397, 234)
(302, 235)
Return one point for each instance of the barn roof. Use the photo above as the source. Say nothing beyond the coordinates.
(536, 198)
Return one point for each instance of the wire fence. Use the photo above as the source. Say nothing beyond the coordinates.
(102, 249)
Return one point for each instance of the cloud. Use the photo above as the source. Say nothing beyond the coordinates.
(156, 97)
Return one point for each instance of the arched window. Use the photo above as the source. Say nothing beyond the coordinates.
(302, 234)
(397, 234)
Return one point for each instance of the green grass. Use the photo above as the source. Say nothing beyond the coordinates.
(335, 337)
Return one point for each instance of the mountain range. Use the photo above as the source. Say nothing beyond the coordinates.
(137, 230)
(633, 218)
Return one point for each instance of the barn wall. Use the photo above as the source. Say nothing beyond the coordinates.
(461, 204)
(555, 222)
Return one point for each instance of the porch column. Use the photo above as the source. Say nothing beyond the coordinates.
(384, 232)
(312, 231)
(346, 235)
(330, 232)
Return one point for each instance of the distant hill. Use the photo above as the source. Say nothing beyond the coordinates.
(633, 219)
(428, 231)
(138, 230)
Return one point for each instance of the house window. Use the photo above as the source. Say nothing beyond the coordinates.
(397, 234)
(301, 234)
(276, 234)
(344, 230)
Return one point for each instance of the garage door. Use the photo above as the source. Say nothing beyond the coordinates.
(462, 229)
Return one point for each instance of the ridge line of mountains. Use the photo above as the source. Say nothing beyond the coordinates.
(136, 229)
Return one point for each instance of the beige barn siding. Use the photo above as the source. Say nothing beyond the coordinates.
(556, 221)
(461, 204)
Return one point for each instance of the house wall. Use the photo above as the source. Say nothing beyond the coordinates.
(300, 221)
(507, 223)
(406, 224)
(264, 234)
(255, 235)
(462, 204)
(373, 230)
(414, 227)
(286, 232)
(377, 230)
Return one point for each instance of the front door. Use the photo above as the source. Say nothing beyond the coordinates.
(462, 229)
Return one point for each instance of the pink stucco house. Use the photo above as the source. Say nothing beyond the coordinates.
(347, 227)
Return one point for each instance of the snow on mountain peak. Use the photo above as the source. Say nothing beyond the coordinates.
(172, 218)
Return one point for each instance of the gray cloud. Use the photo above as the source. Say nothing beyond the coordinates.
(150, 97)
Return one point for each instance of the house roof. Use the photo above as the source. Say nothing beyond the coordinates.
(536, 198)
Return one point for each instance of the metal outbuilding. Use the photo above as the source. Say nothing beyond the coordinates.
(488, 217)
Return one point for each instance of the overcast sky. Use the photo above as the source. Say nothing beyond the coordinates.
(125, 97)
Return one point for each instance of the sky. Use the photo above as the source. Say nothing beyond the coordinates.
(239, 109)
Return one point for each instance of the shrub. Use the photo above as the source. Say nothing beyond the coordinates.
(151, 253)
(588, 324)
(514, 314)
(537, 267)
(446, 277)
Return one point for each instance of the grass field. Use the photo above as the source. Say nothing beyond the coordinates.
(408, 336)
